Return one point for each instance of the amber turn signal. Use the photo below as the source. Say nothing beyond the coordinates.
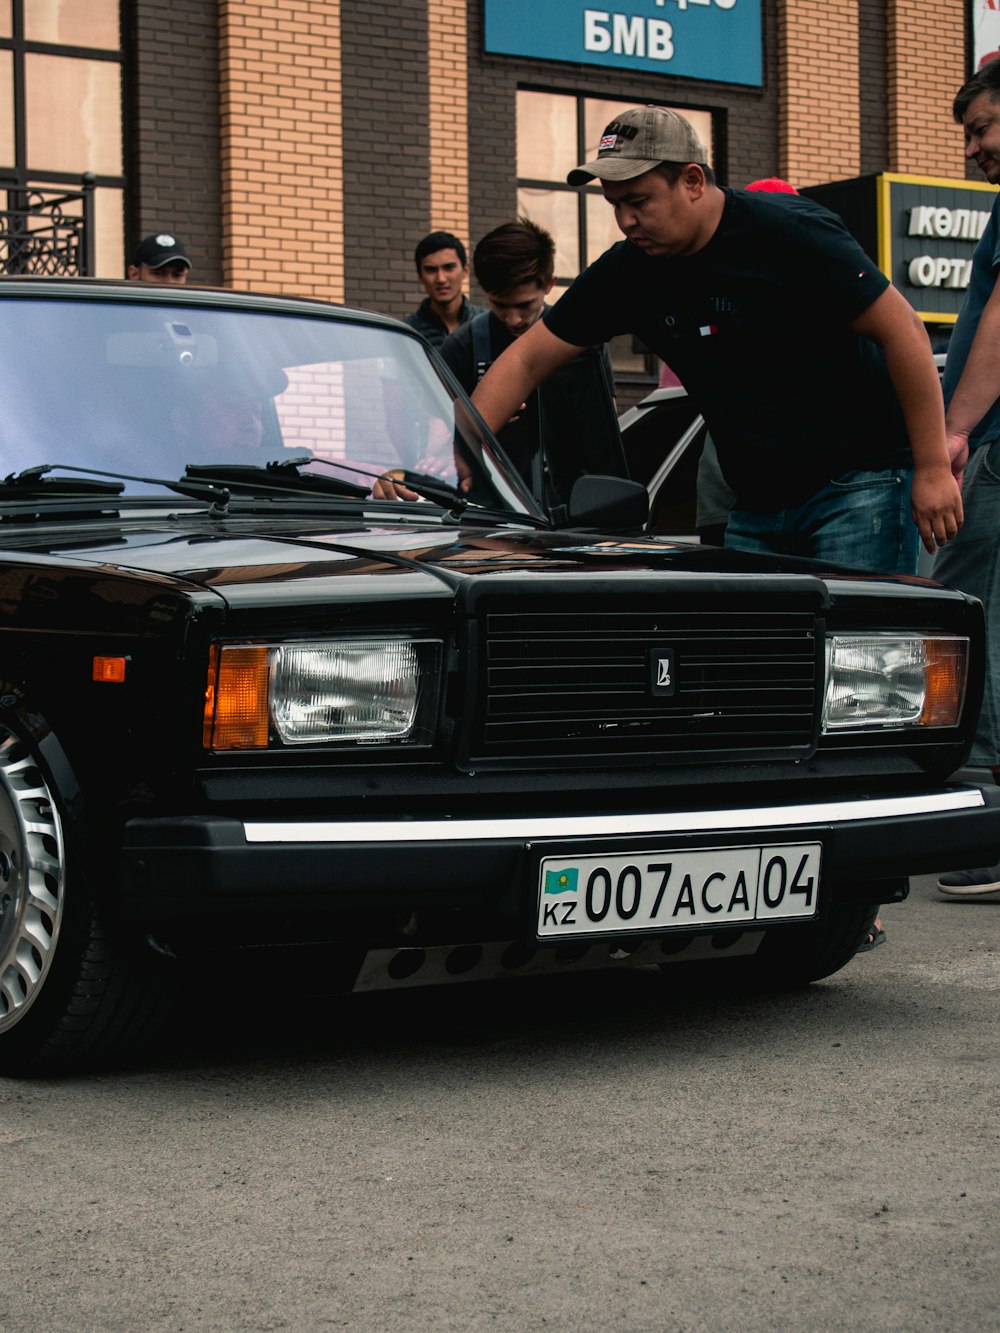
(109, 670)
(945, 683)
(236, 714)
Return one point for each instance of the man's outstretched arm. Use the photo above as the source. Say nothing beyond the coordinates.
(501, 393)
(979, 387)
(518, 371)
(935, 497)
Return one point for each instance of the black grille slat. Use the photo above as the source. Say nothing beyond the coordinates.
(617, 647)
(572, 683)
(724, 675)
(604, 705)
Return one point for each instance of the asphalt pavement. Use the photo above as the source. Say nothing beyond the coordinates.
(582, 1153)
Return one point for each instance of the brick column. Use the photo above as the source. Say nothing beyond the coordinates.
(448, 86)
(926, 67)
(282, 166)
(819, 130)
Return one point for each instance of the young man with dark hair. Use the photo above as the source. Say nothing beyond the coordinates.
(814, 374)
(572, 415)
(972, 423)
(442, 269)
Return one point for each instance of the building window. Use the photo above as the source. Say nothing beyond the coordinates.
(61, 113)
(555, 131)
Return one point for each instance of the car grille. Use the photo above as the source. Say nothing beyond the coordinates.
(578, 684)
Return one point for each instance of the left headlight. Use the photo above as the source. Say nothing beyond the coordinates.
(361, 691)
(894, 680)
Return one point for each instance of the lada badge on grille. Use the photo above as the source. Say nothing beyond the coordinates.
(661, 672)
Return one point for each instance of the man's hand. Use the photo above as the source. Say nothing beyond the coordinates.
(463, 473)
(389, 487)
(936, 505)
(936, 499)
(958, 452)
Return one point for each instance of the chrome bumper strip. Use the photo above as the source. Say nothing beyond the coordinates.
(527, 828)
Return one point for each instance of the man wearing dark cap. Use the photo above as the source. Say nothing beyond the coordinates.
(813, 372)
(160, 258)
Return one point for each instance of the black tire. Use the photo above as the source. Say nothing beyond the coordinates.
(789, 955)
(73, 990)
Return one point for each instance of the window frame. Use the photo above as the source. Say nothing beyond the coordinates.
(19, 176)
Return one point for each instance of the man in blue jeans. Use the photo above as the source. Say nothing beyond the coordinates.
(814, 375)
(972, 398)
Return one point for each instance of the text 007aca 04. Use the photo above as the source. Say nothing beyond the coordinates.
(676, 889)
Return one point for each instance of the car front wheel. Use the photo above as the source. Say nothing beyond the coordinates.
(70, 990)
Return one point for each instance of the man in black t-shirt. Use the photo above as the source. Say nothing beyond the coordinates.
(814, 374)
(566, 427)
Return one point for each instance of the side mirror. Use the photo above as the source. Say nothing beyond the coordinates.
(611, 502)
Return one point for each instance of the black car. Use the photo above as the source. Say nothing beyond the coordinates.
(246, 709)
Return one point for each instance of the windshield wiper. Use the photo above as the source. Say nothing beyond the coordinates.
(282, 476)
(434, 488)
(35, 481)
(445, 494)
(431, 488)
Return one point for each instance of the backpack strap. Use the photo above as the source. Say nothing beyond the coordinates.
(482, 358)
(482, 355)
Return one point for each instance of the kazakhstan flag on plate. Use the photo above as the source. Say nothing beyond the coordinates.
(561, 881)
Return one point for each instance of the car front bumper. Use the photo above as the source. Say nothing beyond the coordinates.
(210, 867)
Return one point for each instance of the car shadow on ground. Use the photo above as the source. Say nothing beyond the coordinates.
(543, 1016)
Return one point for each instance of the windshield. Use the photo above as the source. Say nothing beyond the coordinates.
(146, 390)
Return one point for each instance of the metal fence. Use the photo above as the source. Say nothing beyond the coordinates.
(48, 232)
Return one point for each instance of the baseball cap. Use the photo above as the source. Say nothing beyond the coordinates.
(156, 251)
(639, 140)
(771, 185)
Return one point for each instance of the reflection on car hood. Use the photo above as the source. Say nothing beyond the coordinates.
(227, 557)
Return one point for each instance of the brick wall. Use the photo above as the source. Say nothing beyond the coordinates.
(872, 93)
(448, 89)
(281, 140)
(386, 150)
(172, 129)
(926, 67)
(820, 112)
(409, 96)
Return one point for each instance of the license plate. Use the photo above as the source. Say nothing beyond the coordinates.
(676, 890)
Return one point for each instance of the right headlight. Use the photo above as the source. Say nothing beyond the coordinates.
(894, 681)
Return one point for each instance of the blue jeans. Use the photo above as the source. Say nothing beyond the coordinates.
(861, 519)
(971, 561)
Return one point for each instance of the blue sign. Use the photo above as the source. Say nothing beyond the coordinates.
(718, 40)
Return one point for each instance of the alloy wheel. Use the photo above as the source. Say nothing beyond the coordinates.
(31, 878)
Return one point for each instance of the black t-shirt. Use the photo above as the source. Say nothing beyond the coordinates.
(756, 326)
(572, 411)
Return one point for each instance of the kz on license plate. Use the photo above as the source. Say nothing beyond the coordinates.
(585, 895)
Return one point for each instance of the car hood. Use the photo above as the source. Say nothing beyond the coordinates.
(316, 559)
